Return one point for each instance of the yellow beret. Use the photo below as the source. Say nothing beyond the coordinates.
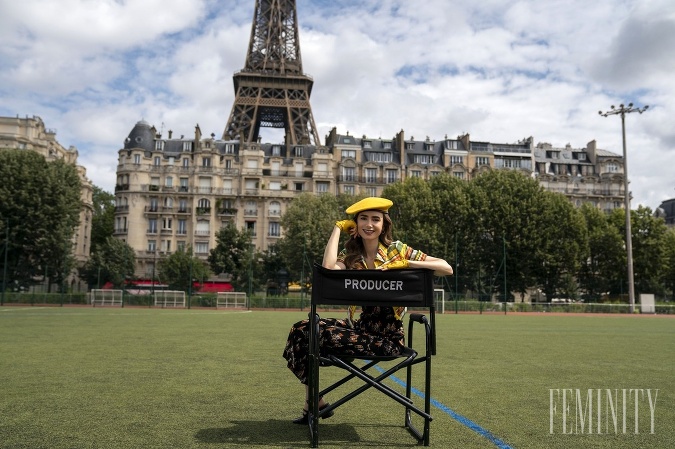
(372, 203)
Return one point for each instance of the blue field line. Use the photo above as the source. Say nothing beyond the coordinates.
(454, 415)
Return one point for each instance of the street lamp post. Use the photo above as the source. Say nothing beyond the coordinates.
(622, 111)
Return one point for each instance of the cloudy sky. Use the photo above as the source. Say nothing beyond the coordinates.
(497, 69)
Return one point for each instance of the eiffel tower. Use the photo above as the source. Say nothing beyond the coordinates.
(271, 91)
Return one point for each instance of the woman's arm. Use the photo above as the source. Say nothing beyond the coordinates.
(440, 266)
(331, 252)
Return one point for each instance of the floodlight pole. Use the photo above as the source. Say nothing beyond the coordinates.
(4, 269)
(622, 111)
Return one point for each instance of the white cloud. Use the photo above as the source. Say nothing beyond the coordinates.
(501, 70)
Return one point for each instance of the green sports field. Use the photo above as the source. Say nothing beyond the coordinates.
(150, 378)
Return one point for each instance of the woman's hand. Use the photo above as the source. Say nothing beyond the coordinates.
(348, 226)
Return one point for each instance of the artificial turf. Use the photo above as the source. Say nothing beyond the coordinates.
(150, 378)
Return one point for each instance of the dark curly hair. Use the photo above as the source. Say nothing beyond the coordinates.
(354, 245)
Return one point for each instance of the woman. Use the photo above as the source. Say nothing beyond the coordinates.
(379, 330)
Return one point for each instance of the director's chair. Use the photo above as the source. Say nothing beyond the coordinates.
(406, 288)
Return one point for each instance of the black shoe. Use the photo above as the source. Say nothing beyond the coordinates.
(304, 419)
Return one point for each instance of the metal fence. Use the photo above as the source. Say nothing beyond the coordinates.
(297, 302)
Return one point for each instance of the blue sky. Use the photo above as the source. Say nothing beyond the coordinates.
(499, 70)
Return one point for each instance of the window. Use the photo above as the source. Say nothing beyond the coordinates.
(274, 229)
(378, 157)
(386, 145)
(275, 209)
(152, 245)
(182, 205)
(201, 248)
(182, 226)
(424, 159)
(159, 145)
(322, 168)
(456, 160)
(250, 227)
(371, 191)
(348, 173)
(152, 226)
(297, 151)
(203, 228)
(137, 159)
(180, 245)
(229, 148)
(322, 187)
(184, 184)
(204, 185)
(186, 162)
(166, 245)
(458, 174)
(166, 223)
(391, 176)
(251, 184)
(349, 190)
(252, 163)
(157, 161)
(203, 202)
(371, 175)
(482, 161)
(275, 185)
(154, 205)
(187, 146)
(416, 173)
(228, 164)
(251, 208)
(276, 150)
(299, 186)
(348, 153)
(612, 168)
(168, 181)
(367, 144)
(154, 181)
(206, 162)
(168, 202)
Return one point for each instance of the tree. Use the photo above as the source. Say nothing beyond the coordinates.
(40, 203)
(234, 255)
(561, 243)
(307, 224)
(103, 219)
(647, 236)
(606, 255)
(180, 269)
(503, 211)
(668, 276)
(113, 261)
(649, 253)
(431, 216)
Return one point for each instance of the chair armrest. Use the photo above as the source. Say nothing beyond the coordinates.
(419, 317)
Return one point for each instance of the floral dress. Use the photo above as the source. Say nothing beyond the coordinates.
(377, 332)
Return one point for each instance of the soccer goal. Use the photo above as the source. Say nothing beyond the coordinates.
(105, 297)
(231, 299)
(169, 298)
(439, 299)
